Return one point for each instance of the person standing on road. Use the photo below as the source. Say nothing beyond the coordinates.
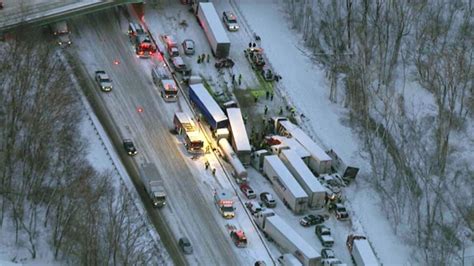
(203, 57)
(240, 79)
(265, 111)
(208, 58)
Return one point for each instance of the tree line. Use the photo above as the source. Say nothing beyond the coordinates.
(375, 54)
(49, 192)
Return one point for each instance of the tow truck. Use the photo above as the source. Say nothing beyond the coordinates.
(255, 57)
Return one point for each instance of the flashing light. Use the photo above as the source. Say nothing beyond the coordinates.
(140, 109)
(116, 62)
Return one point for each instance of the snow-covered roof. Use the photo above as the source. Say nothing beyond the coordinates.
(304, 247)
(169, 84)
(365, 252)
(285, 176)
(186, 121)
(302, 171)
(214, 22)
(237, 126)
(208, 101)
(306, 141)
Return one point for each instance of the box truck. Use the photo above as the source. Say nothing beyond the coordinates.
(285, 184)
(153, 184)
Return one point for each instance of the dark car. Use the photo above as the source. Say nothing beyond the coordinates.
(311, 219)
(185, 245)
(248, 191)
(327, 253)
(129, 147)
(268, 200)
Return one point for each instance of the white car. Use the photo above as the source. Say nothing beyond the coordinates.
(230, 21)
(105, 83)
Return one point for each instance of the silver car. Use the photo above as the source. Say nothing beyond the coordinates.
(188, 47)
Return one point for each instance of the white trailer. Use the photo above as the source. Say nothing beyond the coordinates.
(361, 251)
(287, 238)
(240, 173)
(316, 192)
(215, 32)
(319, 161)
(289, 259)
(240, 139)
(285, 185)
(295, 146)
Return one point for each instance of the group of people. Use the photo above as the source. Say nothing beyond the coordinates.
(203, 57)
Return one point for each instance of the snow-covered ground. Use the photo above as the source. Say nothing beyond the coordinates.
(305, 84)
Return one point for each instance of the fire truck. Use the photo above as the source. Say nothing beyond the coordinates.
(144, 47)
(238, 236)
(185, 126)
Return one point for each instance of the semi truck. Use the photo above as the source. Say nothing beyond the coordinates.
(285, 184)
(361, 251)
(341, 166)
(319, 161)
(203, 101)
(240, 173)
(215, 32)
(310, 184)
(153, 184)
(274, 227)
(239, 137)
(225, 203)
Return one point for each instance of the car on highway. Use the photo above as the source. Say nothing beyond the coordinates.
(311, 219)
(248, 191)
(268, 200)
(180, 66)
(230, 21)
(340, 211)
(327, 253)
(129, 147)
(185, 245)
(253, 206)
(188, 47)
(104, 81)
(324, 235)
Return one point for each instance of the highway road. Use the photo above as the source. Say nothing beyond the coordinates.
(101, 42)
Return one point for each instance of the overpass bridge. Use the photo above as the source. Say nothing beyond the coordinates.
(18, 13)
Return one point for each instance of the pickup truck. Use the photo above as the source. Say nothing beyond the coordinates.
(324, 235)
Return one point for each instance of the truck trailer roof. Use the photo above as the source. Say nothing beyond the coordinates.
(214, 22)
(362, 246)
(209, 102)
(286, 177)
(237, 126)
(303, 171)
(305, 141)
(304, 247)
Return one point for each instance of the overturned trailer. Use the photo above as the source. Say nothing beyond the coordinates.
(240, 173)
